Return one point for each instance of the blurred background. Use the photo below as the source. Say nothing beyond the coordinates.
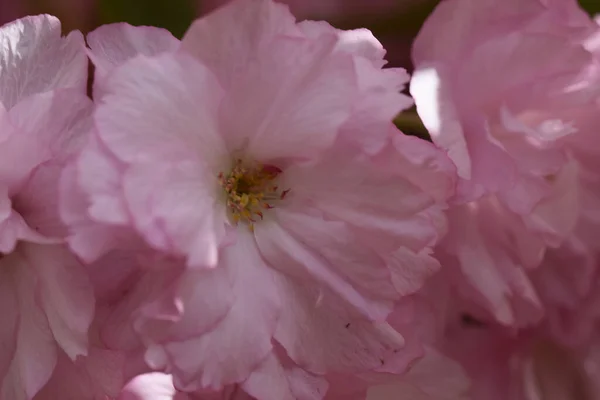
(394, 22)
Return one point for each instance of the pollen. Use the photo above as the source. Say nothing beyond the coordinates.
(251, 189)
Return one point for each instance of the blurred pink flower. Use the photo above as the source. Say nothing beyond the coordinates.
(44, 116)
(529, 364)
(283, 204)
(97, 376)
(505, 117)
(568, 281)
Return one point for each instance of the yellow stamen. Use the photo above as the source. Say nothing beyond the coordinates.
(249, 189)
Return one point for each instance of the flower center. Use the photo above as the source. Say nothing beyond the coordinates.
(250, 189)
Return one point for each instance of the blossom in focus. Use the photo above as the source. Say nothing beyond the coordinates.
(505, 118)
(280, 213)
(46, 301)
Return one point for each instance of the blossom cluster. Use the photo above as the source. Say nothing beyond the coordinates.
(235, 215)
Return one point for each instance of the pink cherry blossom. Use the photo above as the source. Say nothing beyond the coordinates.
(505, 118)
(568, 280)
(44, 116)
(279, 212)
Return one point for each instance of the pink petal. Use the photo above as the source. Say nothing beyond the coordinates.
(165, 204)
(38, 59)
(66, 296)
(424, 164)
(37, 201)
(410, 270)
(270, 381)
(287, 251)
(88, 239)
(36, 352)
(434, 377)
(59, 120)
(169, 317)
(439, 115)
(558, 215)
(169, 91)
(113, 44)
(47, 126)
(306, 92)
(15, 228)
(332, 339)
(97, 376)
(222, 356)
(381, 98)
(99, 175)
(112, 275)
(131, 291)
(228, 40)
(366, 198)
(91, 192)
(360, 42)
(493, 262)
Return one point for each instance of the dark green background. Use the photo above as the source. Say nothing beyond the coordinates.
(176, 15)
(592, 6)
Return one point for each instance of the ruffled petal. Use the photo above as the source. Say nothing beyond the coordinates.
(179, 120)
(332, 338)
(165, 205)
(296, 252)
(36, 351)
(222, 356)
(271, 381)
(35, 58)
(113, 44)
(66, 296)
(230, 38)
(291, 103)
